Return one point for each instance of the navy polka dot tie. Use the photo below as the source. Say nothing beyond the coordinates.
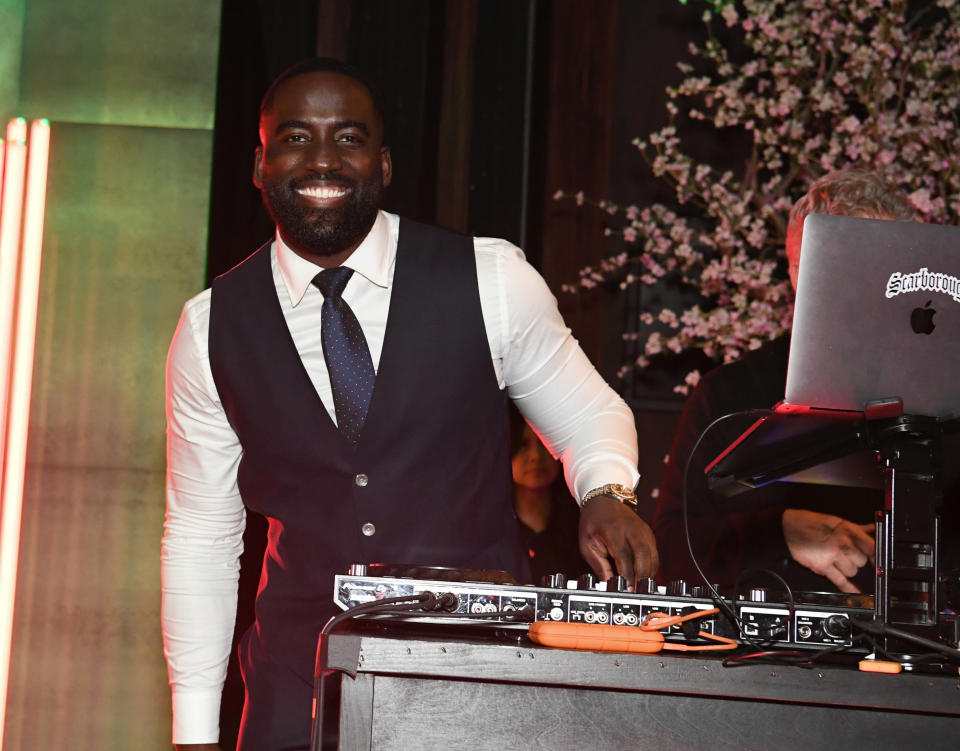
(346, 352)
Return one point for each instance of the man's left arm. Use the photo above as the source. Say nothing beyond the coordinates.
(578, 416)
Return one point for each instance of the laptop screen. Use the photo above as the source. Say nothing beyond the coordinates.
(877, 316)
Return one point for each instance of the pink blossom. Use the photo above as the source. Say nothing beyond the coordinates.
(921, 199)
(730, 15)
(889, 102)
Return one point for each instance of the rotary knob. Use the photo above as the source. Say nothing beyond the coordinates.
(677, 588)
(585, 581)
(616, 584)
(757, 594)
(647, 586)
(553, 581)
(357, 569)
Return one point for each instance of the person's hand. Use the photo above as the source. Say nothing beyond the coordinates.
(610, 529)
(828, 545)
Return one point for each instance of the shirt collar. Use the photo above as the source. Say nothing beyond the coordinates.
(373, 259)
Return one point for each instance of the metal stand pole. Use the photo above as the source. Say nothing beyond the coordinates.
(908, 529)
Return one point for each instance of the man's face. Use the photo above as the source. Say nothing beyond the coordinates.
(321, 165)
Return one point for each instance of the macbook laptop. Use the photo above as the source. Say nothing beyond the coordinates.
(876, 324)
(877, 316)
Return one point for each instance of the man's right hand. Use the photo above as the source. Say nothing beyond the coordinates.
(828, 545)
(610, 529)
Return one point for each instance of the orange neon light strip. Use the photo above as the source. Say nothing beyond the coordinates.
(23, 339)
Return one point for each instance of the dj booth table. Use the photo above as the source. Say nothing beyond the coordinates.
(427, 692)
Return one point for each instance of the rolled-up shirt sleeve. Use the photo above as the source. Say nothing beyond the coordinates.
(203, 535)
(579, 417)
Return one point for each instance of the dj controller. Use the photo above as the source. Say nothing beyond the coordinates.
(812, 621)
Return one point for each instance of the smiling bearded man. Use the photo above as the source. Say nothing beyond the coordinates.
(350, 382)
(321, 165)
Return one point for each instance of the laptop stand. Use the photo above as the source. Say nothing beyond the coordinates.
(908, 449)
(908, 527)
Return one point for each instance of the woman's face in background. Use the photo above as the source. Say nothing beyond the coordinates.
(533, 467)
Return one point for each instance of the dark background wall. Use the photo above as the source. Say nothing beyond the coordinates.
(492, 106)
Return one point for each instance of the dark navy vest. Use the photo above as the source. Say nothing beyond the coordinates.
(431, 471)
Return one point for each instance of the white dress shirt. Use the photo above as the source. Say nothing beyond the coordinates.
(535, 358)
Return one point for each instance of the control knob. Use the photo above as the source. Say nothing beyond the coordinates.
(616, 584)
(586, 581)
(553, 581)
(647, 586)
(837, 626)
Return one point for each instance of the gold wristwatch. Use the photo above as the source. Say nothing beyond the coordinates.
(620, 493)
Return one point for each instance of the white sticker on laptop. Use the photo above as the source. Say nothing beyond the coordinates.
(923, 281)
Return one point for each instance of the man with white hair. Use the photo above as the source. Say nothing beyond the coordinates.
(817, 537)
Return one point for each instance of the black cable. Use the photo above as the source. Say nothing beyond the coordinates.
(788, 657)
(407, 606)
(420, 601)
(525, 614)
(714, 594)
(768, 572)
(882, 629)
(791, 603)
(423, 601)
(792, 657)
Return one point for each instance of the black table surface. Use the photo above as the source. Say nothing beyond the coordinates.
(514, 692)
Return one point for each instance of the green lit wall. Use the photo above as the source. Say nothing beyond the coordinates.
(129, 88)
(11, 34)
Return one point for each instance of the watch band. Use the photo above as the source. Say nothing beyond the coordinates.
(614, 490)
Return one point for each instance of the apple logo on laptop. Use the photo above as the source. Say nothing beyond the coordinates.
(921, 319)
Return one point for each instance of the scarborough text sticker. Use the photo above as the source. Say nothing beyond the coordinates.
(923, 281)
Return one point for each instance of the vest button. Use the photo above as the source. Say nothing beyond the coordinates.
(368, 529)
(361, 480)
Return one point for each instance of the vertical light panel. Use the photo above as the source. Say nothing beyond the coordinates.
(21, 337)
(3, 154)
(11, 216)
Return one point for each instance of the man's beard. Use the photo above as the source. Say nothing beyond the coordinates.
(323, 232)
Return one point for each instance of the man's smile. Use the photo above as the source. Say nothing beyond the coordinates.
(323, 195)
